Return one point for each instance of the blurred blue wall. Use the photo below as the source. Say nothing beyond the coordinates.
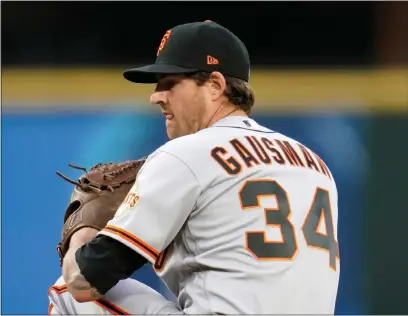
(34, 146)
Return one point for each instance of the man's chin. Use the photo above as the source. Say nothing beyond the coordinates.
(172, 134)
(171, 137)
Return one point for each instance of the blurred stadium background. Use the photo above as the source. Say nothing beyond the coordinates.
(333, 75)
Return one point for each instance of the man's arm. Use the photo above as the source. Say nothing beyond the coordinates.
(93, 268)
(157, 206)
(77, 285)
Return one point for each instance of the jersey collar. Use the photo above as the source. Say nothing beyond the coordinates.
(234, 121)
(241, 122)
(237, 121)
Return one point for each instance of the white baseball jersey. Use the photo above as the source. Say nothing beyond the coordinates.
(237, 219)
(128, 297)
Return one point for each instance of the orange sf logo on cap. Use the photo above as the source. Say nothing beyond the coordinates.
(163, 41)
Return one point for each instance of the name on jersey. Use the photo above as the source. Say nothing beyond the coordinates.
(252, 151)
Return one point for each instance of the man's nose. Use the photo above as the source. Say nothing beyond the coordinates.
(158, 97)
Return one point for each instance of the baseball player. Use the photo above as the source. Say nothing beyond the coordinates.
(236, 218)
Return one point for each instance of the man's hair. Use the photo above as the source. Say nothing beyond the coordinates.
(237, 91)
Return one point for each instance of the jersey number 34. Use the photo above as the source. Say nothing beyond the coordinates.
(286, 249)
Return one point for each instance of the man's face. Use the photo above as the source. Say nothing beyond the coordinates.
(183, 103)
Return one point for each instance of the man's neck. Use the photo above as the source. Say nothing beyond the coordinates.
(225, 112)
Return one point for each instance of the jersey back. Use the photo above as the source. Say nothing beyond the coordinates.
(262, 238)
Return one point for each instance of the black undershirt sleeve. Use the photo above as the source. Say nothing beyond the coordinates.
(105, 261)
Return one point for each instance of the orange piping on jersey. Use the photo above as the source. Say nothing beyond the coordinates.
(149, 250)
(159, 264)
(161, 261)
(110, 307)
(58, 288)
(50, 306)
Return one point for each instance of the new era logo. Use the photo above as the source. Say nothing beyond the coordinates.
(211, 60)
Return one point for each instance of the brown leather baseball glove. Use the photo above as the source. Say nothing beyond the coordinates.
(96, 197)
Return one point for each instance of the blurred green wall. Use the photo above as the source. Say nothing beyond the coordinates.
(386, 216)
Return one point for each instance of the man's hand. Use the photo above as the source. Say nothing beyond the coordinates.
(77, 285)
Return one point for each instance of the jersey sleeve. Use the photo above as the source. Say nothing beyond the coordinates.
(163, 196)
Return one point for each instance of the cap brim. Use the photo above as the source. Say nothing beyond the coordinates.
(148, 74)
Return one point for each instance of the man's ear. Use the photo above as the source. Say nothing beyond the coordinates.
(217, 85)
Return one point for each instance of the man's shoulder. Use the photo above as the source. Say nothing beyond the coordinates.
(187, 146)
(301, 154)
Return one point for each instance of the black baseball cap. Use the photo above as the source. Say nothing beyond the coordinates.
(199, 46)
